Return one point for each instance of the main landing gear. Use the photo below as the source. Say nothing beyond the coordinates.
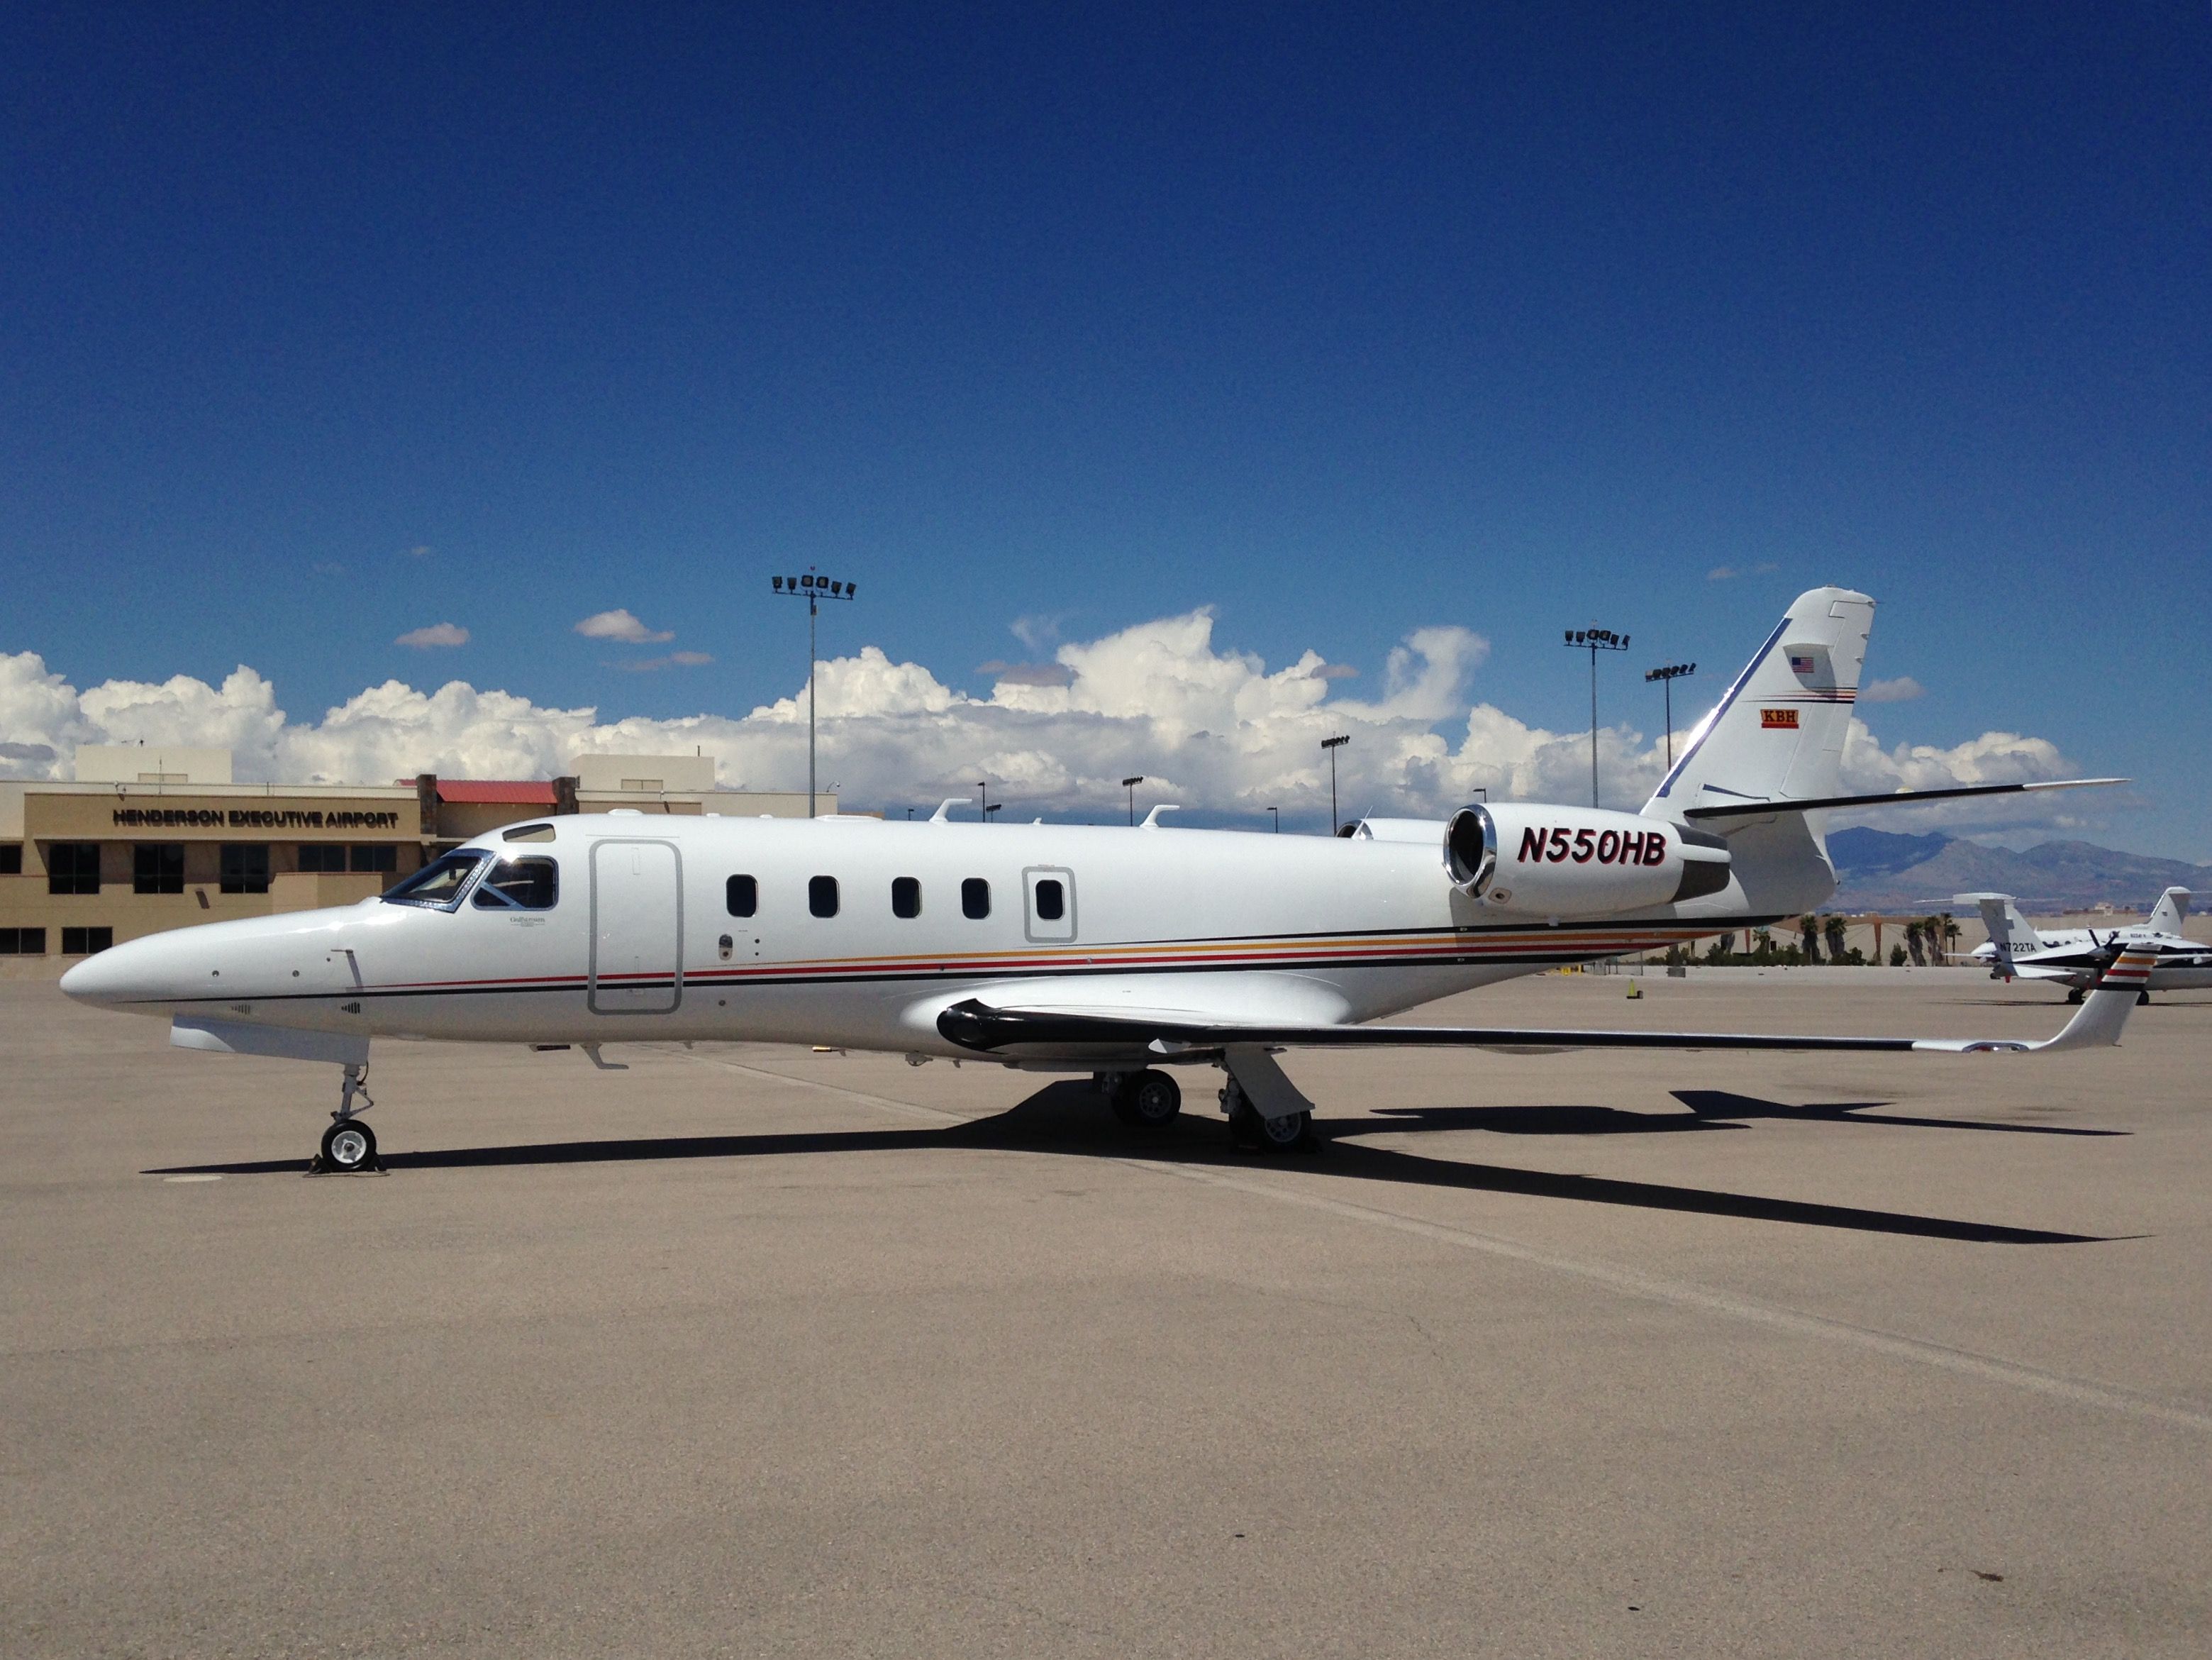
(348, 1145)
(1144, 1100)
(2143, 997)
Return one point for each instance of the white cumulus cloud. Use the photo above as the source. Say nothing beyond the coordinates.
(619, 624)
(1215, 729)
(1903, 689)
(437, 634)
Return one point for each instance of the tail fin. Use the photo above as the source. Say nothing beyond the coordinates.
(1778, 732)
(1776, 736)
(2166, 915)
(2008, 931)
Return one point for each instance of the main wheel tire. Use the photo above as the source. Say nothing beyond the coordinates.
(2074, 995)
(1291, 1133)
(1150, 1100)
(348, 1144)
(2143, 997)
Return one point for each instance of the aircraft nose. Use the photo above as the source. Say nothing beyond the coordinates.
(93, 979)
(136, 971)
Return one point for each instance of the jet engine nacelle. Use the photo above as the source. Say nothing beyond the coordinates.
(1537, 861)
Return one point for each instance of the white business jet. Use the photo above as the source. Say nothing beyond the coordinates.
(2076, 958)
(1117, 951)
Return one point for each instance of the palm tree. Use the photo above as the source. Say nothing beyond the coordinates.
(1810, 928)
(1832, 926)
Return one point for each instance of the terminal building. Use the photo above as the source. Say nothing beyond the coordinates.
(146, 839)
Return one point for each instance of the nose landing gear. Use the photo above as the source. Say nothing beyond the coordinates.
(348, 1145)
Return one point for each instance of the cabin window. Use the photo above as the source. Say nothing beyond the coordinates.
(440, 883)
(821, 895)
(1051, 900)
(73, 867)
(157, 867)
(244, 867)
(905, 896)
(520, 884)
(974, 899)
(315, 857)
(741, 895)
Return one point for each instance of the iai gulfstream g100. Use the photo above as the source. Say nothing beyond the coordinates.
(1118, 952)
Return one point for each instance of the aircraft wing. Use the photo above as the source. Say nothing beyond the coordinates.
(1065, 1025)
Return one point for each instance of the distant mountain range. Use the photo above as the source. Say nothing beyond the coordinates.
(1879, 871)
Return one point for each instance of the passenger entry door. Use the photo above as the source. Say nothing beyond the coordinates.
(1048, 904)
(637, 927)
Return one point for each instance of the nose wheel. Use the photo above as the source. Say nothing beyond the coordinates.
(349, 1146)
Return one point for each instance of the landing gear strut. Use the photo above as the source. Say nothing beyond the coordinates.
(348, 1145)
(1292, 1132)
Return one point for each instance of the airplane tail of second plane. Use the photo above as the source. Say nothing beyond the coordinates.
(2171, 910)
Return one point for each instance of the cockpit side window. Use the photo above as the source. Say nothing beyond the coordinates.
(520, 884)
(439, 884)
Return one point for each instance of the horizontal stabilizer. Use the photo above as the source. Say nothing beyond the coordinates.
(1749, 809)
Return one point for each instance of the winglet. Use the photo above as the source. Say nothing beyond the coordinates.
(2097, 1023)
(1152, 818)
(944, 813)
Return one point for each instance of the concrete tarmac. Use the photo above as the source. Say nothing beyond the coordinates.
(748, 1351)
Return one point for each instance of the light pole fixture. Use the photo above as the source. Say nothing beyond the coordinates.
(1594, 640)
(983, 813)
(1333, 745)
(1130, 785)
(813, 589)
(1276, 813)
(1667, 676)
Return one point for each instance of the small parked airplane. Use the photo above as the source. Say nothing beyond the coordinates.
(1117, 951)
(2077, 957)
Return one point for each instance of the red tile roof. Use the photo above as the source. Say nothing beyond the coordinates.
(496, 794)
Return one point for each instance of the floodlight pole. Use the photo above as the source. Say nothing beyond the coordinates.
(1130, 785)
(1667, 676)
(813, 589)
(1276, 814)
(1333, 745)
(1595, 641)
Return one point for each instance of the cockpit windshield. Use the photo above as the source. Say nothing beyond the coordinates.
(520, 884)
(440, 883)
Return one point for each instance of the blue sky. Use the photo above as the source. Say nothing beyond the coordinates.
(325, 325)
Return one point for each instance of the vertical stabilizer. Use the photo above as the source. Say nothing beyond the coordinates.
(2010, 933)
(2171, 910)
(1779, 732)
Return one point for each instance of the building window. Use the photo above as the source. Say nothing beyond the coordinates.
(1051, 900)
(520, 884)
(383, 860)
(244, 867)
(22, 942)
(974, 899)
(905, 896)
(83, 942)
(73, 867)
(821, 895)
(11, 859)
(157, 867)
(741, 895)
(320, 858)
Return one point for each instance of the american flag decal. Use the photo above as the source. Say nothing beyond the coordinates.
(1799, 665)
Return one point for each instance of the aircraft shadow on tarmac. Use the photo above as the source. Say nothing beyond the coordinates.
(1068, 1119)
